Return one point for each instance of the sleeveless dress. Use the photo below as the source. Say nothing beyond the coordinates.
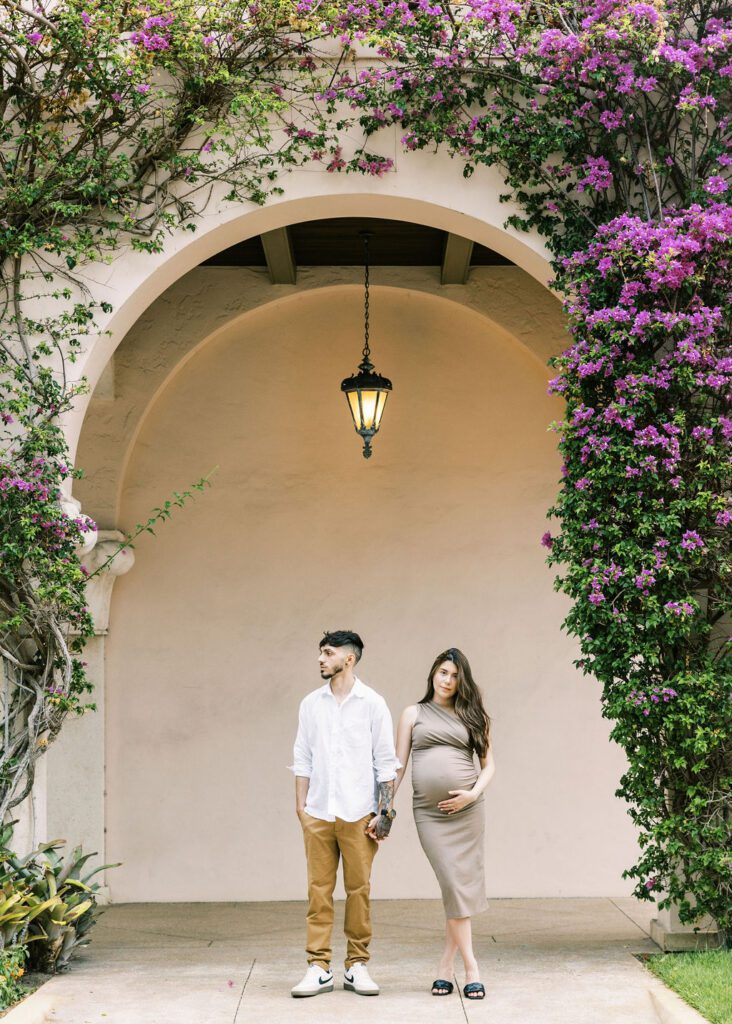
(442, 759)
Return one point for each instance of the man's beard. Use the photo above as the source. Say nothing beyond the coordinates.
(333, 672)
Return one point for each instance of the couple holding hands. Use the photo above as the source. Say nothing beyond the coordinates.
(347, 772)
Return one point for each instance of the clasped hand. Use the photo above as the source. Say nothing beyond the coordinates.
(378, 828)
(459, 798)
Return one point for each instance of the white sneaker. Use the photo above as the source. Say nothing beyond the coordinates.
(316, 980)
(358, 980)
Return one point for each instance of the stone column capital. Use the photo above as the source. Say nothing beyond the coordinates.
(109, 559)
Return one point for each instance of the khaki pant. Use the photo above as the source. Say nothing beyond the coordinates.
(325, 843)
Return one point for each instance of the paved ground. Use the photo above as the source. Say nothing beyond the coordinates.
(563, 961)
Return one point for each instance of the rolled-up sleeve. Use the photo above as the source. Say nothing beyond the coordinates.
(302, 764)
(382, 743)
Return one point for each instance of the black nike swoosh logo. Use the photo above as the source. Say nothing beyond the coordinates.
(324, 981)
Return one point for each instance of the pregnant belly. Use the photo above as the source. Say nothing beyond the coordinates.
(437, 770)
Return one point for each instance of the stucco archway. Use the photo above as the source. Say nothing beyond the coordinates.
(464, 499)
(426, 188)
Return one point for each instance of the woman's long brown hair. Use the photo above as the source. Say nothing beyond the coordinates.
(468, 699)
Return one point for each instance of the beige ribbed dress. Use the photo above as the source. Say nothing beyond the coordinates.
(442, 759)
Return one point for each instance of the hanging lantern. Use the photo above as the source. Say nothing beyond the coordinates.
(366, 391)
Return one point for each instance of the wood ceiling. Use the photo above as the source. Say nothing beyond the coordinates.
(336, 242)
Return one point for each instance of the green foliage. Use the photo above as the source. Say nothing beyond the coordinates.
(124, 114)
(645, 550)
(48, 902)
(12, 969)
(589, 110)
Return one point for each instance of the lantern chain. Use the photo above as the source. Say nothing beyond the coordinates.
(366, 349)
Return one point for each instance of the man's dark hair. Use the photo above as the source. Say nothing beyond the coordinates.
(343, 638)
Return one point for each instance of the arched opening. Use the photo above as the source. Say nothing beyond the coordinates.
(434, 543)
(472, 212)
(239, 280)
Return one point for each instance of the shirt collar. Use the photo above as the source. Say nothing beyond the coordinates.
(358, 689)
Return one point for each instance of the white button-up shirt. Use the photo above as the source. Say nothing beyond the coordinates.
(345, 750)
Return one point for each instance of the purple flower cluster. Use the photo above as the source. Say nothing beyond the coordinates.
(601, 579)
(644, 581)
(35, 487)
(598, 174)
(376, 167)
(155, 33)
(657, 259)
(612, 53)
(680, 608)
(646, 336)
(691, 541)
(647, 699)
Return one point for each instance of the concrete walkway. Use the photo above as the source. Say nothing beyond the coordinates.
(561, 961)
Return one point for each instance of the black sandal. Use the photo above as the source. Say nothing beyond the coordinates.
(475, 990)
(444, 988)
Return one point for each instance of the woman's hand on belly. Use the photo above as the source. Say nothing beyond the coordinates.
(459, 798)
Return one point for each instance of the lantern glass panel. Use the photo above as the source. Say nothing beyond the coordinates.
(380, 405)
(352, 397)
(369, 404)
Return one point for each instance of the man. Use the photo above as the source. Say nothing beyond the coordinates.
(345, 766)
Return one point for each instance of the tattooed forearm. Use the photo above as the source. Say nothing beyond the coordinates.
(381, 824)
(386, 794)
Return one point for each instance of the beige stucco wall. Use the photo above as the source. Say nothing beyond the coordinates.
(213, 634)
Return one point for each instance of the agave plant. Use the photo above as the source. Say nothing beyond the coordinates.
(14, 911)
(48, 904)
(65, 904)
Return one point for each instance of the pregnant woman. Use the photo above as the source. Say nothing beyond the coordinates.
(444, 733)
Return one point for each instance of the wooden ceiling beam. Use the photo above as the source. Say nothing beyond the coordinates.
(279, 256)
(456, 260)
